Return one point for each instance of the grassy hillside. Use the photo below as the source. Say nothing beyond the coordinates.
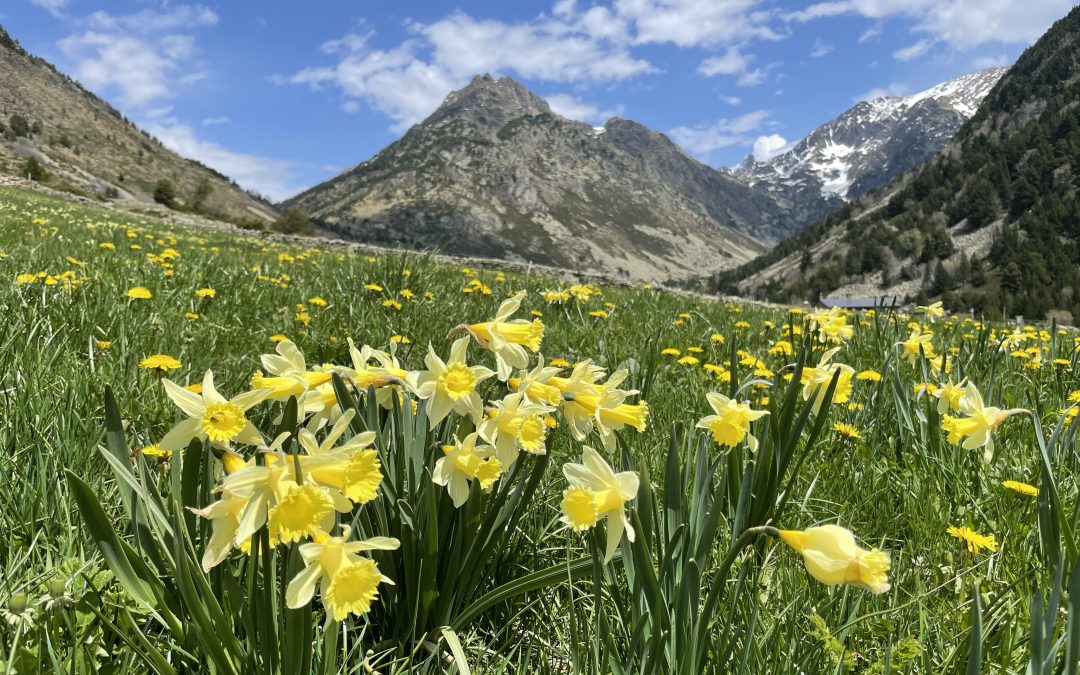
(704, 587)
(87, 147)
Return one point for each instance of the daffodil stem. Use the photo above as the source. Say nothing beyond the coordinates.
(741, 543)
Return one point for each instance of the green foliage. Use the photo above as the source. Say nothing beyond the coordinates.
(165, 193)
(18, 125)
(34, 170)
(294, 221)
(202, 192)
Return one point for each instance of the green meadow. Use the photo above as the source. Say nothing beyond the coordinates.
(102, 557)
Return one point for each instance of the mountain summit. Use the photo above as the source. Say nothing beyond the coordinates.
(494, 172)
(868, 145)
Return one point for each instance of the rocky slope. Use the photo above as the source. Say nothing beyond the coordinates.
(867, 146)
(991, 224)
(493, 171)
(88, 147)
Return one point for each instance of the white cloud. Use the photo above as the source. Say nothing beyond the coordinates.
(731, 62)
(703, 139)
(274, 178)
(820, 49)
(54, 7)
(574, 108)
(893, 89)
(407, 82)
(871, 32)
(734, 62)
(912, 51)
(767, 147)
(140, 56)
(132, 66)
(731, 100)
(690, 23)
(180, 17)
(963, 24)
(216, 121)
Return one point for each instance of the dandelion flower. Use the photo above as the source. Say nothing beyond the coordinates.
(139, 293)
(160, 363)
(974, 541)
(1021, 488)
(205, 293)
(847, 430)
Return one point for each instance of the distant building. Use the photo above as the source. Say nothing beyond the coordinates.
(860, 303)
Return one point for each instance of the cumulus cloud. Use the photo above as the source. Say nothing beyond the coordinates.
(407, 82)
(734, 62)
(131, 66)
(962, 24)
(574, 108)
(703, 139)
(690, 23)
(767, 147)
(140, 56)
(274, 178)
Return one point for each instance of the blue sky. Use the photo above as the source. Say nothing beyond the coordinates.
(281, 95)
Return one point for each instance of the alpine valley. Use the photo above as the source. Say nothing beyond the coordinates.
(991, 224)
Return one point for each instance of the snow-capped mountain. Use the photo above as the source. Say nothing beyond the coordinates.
(867, 146)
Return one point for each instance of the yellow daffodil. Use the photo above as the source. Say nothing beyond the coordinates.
(949, 396)
(917, 341)
(507, 339)
(463, 462)
(832, 557)
(515, 425)
(347, 581)
(831, 326)
(597, 492)
(288, 371)
(816, 380)
(731, 422)
(211, 417)
(933, 311)
(977, 428)
(450, 385)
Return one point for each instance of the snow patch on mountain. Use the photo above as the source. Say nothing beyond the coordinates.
(868, 145)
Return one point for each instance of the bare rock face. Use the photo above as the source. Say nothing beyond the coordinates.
(89, 148)
(867, 146)
(495, 172)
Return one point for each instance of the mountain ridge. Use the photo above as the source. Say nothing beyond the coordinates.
(494, 171)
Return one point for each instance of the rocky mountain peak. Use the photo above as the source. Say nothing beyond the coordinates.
(490, 101)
